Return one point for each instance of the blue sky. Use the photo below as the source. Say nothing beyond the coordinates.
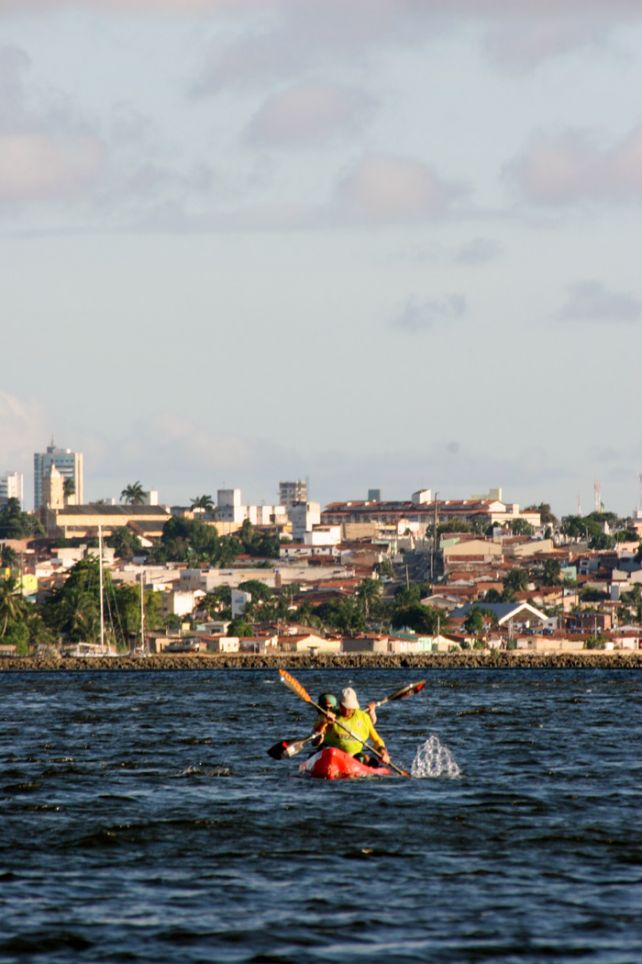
(384, 243)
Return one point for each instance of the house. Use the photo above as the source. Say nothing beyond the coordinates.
(511, 615)
(221, 644)
(365, 644)
(257, 644)
(307, 642)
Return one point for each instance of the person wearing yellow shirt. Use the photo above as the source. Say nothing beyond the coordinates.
(359, 722)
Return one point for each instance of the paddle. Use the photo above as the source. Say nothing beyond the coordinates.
(403, 693)
(303, 694)
(285, 749)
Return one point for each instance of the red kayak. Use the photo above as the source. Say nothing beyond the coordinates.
(333, 764)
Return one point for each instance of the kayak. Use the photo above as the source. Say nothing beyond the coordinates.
(334, 764)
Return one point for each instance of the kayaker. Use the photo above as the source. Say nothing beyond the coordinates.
(359, 722)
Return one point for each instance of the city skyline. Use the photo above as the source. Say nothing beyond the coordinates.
(376, 244)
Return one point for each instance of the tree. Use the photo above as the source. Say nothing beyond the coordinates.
(551, 575)
(125, 543)
(68, 488)
(16, 524)
(13, 606)
(479, 620)
(205, 502)
(369, 593)
(191, 541)
(257, 589)
(545, 514)
(421, 619)
(73, 610)
(516, 580)
(520, 527)
(133, 494)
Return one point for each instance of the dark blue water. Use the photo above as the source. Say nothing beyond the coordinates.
(141, 819)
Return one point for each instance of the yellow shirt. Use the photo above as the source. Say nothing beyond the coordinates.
(361, 725)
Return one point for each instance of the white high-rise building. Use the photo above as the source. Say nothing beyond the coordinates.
(70, 466)
(12, 486)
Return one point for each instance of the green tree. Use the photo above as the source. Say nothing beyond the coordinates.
(205, 502)
(133, 494)
(551, 574)
(13, 606)
(479, 620)
(73, 610)
(16, 524)
(68, 488)
(191, 541)
(125, 543)
(257, 589)
(516, 580)
(545, 513)
(520, 527)
(421, 619)
(369, 593)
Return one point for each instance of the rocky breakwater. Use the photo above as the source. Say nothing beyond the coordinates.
(473, 659)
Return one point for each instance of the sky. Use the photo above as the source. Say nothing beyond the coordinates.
(372, 243)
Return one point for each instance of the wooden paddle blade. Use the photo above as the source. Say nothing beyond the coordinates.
(295, 686)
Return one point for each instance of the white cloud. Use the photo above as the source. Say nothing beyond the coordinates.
(307, 114)
(42, 166)
(418, 316)
(573, 165)
(22, 431)
(592, 301)
(478, 251)
(388, 189)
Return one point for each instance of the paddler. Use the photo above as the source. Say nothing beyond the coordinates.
(359, 722)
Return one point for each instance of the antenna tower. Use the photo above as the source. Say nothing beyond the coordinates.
(597, 489)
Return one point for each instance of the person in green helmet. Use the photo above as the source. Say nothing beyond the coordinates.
(350, 716)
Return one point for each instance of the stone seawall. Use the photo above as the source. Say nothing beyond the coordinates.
(592, 659)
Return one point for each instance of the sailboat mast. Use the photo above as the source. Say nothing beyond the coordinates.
(142, 614)
(100, 581)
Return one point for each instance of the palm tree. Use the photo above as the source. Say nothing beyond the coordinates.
(205, 502)
(12, 604)
(133, 494)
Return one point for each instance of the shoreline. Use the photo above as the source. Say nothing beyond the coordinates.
(494, 659)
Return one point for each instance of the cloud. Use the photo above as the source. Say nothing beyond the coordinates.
(573, 166)
(41, 166)
(591, 301)
(417, 316)
(478, 251)
(307, 114)
(388, 189)
(14, 63)
(516, 48)
(22, 430)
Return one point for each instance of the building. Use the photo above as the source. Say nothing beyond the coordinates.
(291, 492)
(70, 466)
(12, 487)
(304, 516)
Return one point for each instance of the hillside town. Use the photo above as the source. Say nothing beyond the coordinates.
(219, 576)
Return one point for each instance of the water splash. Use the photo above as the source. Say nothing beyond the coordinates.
(434, 760)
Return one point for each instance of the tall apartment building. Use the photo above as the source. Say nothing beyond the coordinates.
(12, 487)
(70, 466)
(291, 492)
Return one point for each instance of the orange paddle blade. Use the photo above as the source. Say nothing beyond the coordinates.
(295, 686)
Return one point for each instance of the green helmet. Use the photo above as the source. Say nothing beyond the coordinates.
(328, 701)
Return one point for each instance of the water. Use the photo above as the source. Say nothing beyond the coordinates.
(141, 819)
